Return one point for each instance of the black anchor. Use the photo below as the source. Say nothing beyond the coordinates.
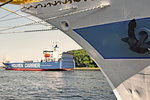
(139, 46)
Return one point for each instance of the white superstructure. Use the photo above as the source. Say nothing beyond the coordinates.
(105, 29)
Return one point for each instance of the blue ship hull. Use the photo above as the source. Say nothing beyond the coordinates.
(41, 66)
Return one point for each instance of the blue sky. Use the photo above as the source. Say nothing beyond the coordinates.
(28, 46)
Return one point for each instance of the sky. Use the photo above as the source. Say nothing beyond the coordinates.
(28, 46)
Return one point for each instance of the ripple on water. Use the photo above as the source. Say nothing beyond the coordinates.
(54, 85)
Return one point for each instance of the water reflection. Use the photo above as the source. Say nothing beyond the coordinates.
(46, 85)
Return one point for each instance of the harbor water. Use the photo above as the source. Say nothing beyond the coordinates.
(54, 85)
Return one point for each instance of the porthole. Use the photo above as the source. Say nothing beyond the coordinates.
(65, 25)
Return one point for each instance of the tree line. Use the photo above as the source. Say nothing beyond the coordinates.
(82, 59)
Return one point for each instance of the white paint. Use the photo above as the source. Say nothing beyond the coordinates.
(17, 65)
(32, 65)
(89, 13)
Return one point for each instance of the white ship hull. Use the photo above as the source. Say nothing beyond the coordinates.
(101, 27)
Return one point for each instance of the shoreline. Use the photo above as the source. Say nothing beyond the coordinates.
(86, 68)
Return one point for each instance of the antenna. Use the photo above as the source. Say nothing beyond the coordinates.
(56, 43)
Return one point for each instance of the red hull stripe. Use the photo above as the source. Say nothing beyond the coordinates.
(24, 69)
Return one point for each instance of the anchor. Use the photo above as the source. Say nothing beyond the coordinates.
(138, 46)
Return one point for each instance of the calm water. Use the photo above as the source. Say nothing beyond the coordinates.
(54, 85)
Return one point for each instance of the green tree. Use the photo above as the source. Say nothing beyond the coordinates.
(82, 59)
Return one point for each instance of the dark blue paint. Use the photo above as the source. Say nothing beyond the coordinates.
(106, 39)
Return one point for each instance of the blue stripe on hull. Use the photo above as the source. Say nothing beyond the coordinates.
(107, 39)
(41, 65)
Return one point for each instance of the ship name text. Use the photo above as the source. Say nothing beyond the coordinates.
(29, 65)
(17, 65)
